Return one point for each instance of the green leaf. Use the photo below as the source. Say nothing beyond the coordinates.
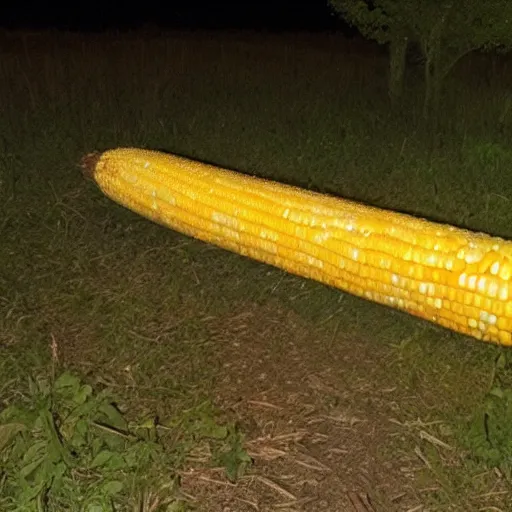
(113, 415)
(236, 459)
(208, 427)
(35, 451)
(83, 394)
(16, 414)
(29, 493)
(101, 459)
(149, 423)
(8, 433)
(497, 392)
(113, 487)
(29, 469)
(116, 462)
(96, 445)
(56, 448)
(501, 362)
(67, 385)
(177, 506)
(78, 436)
(235, 462)
(94, 507)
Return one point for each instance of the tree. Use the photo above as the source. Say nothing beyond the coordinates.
(445, 31)
(386, 24)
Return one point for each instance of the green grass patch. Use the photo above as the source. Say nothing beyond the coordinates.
(489, 434)
(65, 447)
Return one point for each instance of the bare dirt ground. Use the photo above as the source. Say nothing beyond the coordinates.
(319, 424)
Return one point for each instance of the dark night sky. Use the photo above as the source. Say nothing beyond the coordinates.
(265, 14)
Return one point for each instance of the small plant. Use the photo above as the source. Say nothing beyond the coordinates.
(225, 442)
(232, 455)
(64, 447)
(489, 434)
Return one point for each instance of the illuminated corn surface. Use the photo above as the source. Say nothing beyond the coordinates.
(453, 277)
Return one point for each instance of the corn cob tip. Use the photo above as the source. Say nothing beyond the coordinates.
(88, 164)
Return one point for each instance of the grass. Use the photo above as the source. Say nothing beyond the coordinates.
(134, 308)
(65, 446)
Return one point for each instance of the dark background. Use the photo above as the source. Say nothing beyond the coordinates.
(314, 15)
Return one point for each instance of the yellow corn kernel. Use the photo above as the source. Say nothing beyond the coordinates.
(456, 278)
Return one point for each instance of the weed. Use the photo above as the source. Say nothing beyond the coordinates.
(64, 447)
(489, 433)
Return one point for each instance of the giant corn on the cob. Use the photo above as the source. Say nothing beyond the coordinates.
(453, 277)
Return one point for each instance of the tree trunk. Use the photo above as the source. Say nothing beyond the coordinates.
(437, 79)
(433, 83)
(427, 100)
(433, 78)
(397, 56)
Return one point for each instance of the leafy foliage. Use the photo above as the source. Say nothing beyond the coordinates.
(232, 456)
(489, 433)
(198, 424)
(67, 448)
(462, 26)
(444, 30)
